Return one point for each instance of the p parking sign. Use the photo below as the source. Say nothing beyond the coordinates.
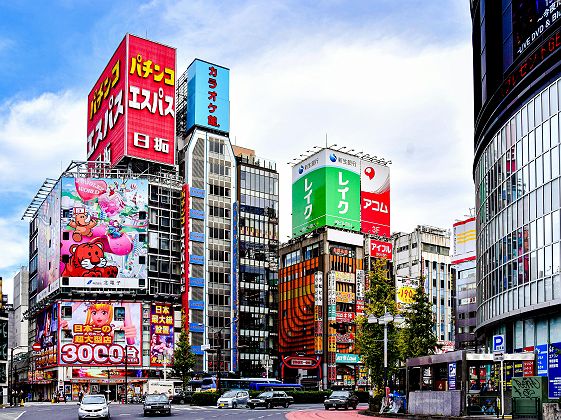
(498, 343)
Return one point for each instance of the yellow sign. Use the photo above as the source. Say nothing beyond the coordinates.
(345, 297)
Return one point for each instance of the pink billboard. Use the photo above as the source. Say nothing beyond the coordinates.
(131, 109)
(375, 198)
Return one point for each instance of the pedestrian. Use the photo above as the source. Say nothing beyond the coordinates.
(63, 396)
(80, 396)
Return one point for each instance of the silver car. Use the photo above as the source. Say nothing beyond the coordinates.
(233, 399)
(93, 407)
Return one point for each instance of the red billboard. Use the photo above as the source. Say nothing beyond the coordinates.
(131, 108)
(375, 198)
(380, 249)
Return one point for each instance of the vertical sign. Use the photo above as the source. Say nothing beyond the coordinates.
(208, 96)
(359, 292)
(161, 334)
(541, 359)
(234, 366)
(374, 198)
(452, 376)
(4, 339)
(554, 370)
(185, 255)
(318, 312)
(331, 333)
(131, 108)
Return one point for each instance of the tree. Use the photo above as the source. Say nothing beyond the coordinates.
(417, 337)
(380, 298)
(183, 358)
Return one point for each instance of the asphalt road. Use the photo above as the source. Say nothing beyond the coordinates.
(61, 411)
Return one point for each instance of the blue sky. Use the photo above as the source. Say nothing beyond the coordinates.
(391, 77)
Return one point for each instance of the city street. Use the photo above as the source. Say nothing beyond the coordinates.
(133, 411)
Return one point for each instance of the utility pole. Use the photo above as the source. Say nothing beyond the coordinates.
(219, 350)
(126, 373)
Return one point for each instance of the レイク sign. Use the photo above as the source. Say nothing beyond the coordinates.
(131, 108)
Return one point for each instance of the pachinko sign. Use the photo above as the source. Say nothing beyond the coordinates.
(97, 333)
(131, 108)
(103, 232)
(405, 292)
(375, 198)
(161, 334)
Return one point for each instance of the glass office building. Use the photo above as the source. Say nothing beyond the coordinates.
(517, 96)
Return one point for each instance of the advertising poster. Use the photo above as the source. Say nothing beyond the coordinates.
(48, 228)
(360, 291)
(96, 333)
(46, 336)
(318, 312)
(374, 198)
(452, 376)
(161, 334)
(530, 20)
(554, 370)
(464, 240)
(131, 107)
(104, 232)
(405, 292)
(314, 204)
(542, 359)
(208, 96)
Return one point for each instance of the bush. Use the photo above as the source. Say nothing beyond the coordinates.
(205, 398)
(375, 402)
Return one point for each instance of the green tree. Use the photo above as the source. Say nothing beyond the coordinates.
(380, 298)
(183, 358)
(417, 337)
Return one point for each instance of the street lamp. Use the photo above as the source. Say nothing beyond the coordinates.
(11, 375)
(384, 320)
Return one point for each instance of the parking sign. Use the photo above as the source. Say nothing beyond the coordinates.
(498, 344)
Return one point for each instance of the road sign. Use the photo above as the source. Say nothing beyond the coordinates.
(498, 344)
(498, 357)
(36, 347)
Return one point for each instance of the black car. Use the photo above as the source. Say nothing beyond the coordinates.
(341, 399)
(182, 397)
(157, 403)
(270, 399)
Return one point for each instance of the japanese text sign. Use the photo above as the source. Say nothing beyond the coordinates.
(208, 96)
(374, 198)
(380, 249)
(161, 334)
(131, 109)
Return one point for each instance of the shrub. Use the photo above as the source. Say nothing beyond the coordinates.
(375, 402)
(205, 398)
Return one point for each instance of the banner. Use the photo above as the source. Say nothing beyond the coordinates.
(46, 337)
(161, 334)
(375, 198)
(97, 333)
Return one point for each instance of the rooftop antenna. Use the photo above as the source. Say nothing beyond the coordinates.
(326, 140)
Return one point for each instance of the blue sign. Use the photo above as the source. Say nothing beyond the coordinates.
(196, 282)
(197, 304)
(208, 96)
(554, 370)
(197, 350)
(498, 344)
(541, 358)
(196, 327)
(197, 236)
(197, 214)
(197, 259)
(452, 375)
(197, 192)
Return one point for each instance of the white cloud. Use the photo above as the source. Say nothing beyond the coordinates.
(38, 136)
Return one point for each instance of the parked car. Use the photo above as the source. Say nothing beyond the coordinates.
(271, 399)
(341, 399)
(157, 403)
(233, 399)
(93, 407)
(182, 397)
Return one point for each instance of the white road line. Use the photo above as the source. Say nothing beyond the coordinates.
(21, 414)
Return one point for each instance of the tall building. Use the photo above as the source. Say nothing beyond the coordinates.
(232, 234)
(4, 336)
(339, 200)
(104, 241)
(18, 326)
(463, 271)
(516, 168)
(425, 254)
(258, 245)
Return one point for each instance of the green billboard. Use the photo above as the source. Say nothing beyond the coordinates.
(326, 192)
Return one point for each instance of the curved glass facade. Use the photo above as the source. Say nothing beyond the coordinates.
(517, 180)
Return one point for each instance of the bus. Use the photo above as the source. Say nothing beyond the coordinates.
(253, 384)
(259, 386)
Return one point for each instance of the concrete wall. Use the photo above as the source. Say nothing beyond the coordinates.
(441, 403)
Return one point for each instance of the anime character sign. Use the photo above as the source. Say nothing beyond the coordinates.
(161, 334)
(46, 337)
(97, 333)
(104, 228)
